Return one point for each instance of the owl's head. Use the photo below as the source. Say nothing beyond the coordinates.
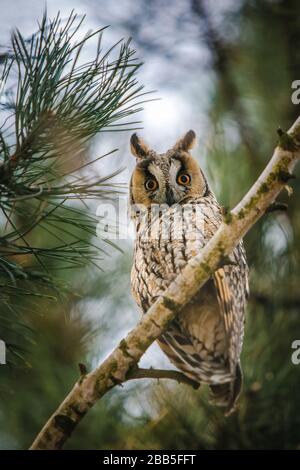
(165, 178)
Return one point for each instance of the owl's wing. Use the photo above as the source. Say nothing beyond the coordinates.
(231, 282)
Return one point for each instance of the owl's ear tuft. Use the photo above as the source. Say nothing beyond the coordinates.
(186, 142)
(138, 147)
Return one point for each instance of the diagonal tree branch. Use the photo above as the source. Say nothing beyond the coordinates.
(122, 362)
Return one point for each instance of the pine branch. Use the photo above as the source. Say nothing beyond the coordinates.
(52, 104)
(124, 359)
(57, 105)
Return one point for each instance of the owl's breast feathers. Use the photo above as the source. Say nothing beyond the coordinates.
(205, 340)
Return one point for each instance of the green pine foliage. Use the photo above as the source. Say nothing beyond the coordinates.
(53, 103)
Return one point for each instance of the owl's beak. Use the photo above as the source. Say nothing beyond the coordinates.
(170, 197)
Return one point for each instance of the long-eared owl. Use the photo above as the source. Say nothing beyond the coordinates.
(205, 340)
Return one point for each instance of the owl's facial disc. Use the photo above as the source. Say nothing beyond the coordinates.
(166, 179)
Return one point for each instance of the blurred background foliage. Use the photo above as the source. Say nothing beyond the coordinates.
(224, 69)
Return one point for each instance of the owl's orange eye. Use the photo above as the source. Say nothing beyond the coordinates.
(151, 184)
(184, 179)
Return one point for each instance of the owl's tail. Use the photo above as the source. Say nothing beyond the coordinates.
(226, 395)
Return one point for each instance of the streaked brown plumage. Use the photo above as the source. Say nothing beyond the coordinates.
(205, 341)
